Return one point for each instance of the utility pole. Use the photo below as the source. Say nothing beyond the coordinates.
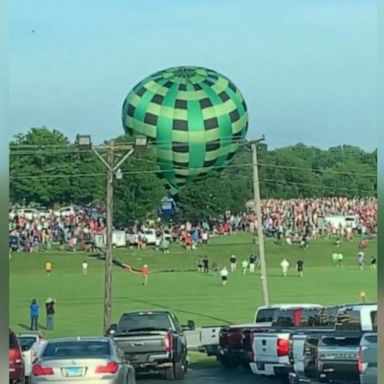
(109, 247)
(257, 201)
(84, 141)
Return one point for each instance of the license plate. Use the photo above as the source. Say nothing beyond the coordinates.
(73, 372)
(260, 366)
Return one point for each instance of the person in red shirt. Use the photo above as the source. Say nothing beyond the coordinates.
(145, 272)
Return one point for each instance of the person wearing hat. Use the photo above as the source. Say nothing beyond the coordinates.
(50, 313)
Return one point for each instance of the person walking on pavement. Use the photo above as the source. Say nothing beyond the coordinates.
(233, 263)
(34, 314)
(50, 313)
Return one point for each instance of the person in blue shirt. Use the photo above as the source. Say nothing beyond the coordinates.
(34, 312)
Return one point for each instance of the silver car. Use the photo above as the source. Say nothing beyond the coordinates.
(82, 360)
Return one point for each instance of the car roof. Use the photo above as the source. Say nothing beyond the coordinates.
(288, 306)
(27, 335)
(80, 338)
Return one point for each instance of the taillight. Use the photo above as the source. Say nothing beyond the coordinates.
(282, 347)
(18, 357)
(359, 362)
(39, 370)
(111, 367)
(168, 343)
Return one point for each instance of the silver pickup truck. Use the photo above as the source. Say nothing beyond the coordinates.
(367, 359)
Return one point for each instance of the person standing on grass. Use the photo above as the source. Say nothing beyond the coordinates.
(200, 264)
(284, 267)
(244, 265)
(50, 313)
(34, 310)
(373, 262)
(84, 267)
(145, 273)
(360, 260)
(300, 267)
(224, 275)
(48, 267)
(340, 258)
(205, 265)
(335, 258)
(233, 263)
(252, 263)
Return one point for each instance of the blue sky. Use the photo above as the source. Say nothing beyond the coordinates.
(307, 68)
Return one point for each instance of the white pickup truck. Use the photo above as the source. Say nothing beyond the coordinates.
(271, 349)
(210, 335)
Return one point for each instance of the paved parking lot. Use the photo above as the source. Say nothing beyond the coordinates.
(212, 375)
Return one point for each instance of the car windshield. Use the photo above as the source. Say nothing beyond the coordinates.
(26, 342)
(12, 340)
(138, 321)
(76, 348)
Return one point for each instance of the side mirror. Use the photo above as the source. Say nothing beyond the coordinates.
(112, 330)
(190, 325)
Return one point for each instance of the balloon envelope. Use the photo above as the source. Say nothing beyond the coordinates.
(195, 117)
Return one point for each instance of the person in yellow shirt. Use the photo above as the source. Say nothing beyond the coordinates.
(48, 267)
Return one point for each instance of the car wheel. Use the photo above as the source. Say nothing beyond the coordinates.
(179, 368)
(169, 373)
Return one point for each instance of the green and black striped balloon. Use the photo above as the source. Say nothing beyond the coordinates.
(195, 117)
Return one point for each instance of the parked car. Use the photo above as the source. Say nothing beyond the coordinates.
(16, 362)
(82, 360)
(66, 211)
(337, 351)
(153, 341)
(235, 341)
(26, 341)
(367, 359)
(271, 349)
(28, 213)
(213, 338)
(323, 321)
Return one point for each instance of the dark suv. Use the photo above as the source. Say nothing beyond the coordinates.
(16, 363)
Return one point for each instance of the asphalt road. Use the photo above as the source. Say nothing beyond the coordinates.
(212, 375)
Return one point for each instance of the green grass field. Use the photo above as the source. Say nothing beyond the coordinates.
(189, 294)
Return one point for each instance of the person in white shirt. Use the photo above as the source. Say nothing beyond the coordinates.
(38, 345)
(284, 266)
(85, 267)
(224, 275)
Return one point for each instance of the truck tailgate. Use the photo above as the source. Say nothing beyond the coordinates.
(338, 358)
(265, 347)
(144, 346)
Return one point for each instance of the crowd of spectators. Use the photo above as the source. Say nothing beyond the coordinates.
(281, 218)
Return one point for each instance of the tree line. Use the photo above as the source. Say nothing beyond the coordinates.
(46, 168)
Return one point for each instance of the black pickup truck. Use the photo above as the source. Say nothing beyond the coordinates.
(153, 341)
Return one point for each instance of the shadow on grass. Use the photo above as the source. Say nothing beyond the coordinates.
(28, 328)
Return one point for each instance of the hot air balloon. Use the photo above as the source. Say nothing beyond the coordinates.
(195, 117)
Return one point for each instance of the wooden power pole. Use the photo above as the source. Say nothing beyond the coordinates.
(260, 236)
